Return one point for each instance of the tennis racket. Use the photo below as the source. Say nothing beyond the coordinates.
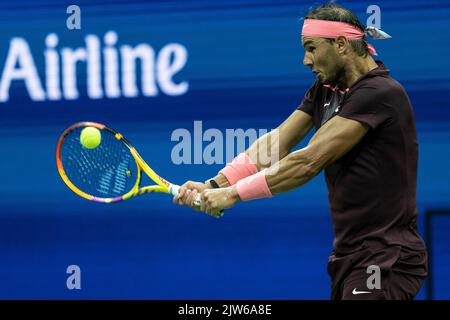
(109, 173)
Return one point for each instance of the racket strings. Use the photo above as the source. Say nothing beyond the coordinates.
(107, 171)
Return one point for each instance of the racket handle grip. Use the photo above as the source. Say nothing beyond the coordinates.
(174, 189)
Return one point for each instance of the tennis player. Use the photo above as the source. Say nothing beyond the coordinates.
(366, 142)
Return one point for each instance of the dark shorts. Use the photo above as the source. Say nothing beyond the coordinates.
(402, 272)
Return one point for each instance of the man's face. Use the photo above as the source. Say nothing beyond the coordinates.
(321, 57)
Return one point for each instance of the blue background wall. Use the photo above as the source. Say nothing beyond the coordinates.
(244, 70)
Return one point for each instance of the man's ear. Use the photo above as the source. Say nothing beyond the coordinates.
(342, 44)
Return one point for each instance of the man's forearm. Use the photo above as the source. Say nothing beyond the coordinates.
(332, 141)
(293, 171)
(267, 150)
(274, 146)
(259, 153)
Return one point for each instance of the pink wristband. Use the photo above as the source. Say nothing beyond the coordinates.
(242, 166)
(253, 187)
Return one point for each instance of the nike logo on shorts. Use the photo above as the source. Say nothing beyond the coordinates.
(359, 292)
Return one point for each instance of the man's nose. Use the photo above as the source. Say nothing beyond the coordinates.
(307, 61)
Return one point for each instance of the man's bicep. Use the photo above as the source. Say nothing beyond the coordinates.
(335, 138)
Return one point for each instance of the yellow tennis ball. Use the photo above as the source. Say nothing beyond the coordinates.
(90, 137)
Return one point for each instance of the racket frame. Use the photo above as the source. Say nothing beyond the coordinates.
(162, 185)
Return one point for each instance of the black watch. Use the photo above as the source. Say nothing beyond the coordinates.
(214, 184)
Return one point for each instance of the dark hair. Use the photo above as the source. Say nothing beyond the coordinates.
(333, 12)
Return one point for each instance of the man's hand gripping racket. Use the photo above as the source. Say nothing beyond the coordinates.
(110, 172)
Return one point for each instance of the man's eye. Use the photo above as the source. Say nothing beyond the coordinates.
(311, 49)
